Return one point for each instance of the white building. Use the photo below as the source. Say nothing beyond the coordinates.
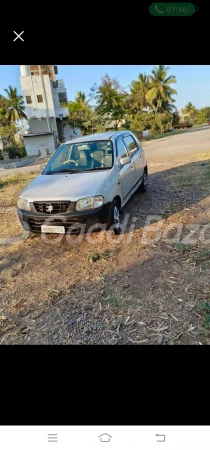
(44, 97)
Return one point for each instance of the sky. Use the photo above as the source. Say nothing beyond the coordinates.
(193, 82)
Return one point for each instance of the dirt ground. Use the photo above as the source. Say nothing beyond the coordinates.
(123, 290)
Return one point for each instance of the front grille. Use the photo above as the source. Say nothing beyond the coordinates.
(35, 224)
(90, 221)
(52, 207)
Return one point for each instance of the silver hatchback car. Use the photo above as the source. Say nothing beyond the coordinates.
(85, 184)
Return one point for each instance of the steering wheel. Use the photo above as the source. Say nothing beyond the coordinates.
(70, 161)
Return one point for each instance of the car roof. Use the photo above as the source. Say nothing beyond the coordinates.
(96, 137)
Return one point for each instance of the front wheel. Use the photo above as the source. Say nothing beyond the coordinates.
(143, 185)
(114, 221)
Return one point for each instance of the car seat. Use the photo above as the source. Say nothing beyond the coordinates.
(85, 161)
(107, 159)
(97, 156)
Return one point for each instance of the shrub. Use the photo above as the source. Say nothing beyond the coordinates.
(1, 156)
(14, 152)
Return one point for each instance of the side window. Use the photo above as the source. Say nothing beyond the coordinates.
(121, 149)
(130, 144)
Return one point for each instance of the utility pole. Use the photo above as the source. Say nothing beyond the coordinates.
(45, 100)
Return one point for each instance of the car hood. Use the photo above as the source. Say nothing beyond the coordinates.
(64, 186)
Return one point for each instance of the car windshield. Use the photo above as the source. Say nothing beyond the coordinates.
(80, 157)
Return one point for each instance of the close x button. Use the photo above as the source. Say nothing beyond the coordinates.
(18, 36)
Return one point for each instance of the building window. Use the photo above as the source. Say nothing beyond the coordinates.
(39, 98)
(62, 98)
(28, 99)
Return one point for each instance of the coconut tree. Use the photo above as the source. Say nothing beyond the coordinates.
(160, 90)
(15, 104)
(139, 89)
(190, 111)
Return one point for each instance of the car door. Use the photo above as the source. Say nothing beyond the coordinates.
(127, 172)
(136, 153)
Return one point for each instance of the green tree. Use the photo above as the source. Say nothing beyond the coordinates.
(15, 104)
(143, 121)
(164, 121)
(139, 89)
(81, 99)
(203, 115)
(191, 111)
(8, 131)
(160, 90)
(85, 118)
(111, 100)
(4, 111)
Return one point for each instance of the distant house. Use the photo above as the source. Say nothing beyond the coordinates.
(44, 100)
(183, 117)
(111, 125)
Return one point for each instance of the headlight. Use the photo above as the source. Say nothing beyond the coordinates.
(89, 203)
(23, 204)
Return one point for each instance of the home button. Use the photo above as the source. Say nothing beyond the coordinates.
(105, 437)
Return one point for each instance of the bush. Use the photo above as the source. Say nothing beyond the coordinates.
(14, 152)
(1, 156)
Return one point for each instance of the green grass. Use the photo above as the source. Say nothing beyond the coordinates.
(198, 175)
(205, 308)
(161, 135)
(95, 256)
(16, 179)
(183, 248)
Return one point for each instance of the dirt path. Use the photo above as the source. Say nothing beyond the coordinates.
(123, 290)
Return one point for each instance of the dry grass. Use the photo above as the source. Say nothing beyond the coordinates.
(111, 293)
(19, 179)
(10, 188)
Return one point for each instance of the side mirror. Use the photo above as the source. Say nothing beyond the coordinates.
(124, 161)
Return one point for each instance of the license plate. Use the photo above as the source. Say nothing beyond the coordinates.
(52, 229)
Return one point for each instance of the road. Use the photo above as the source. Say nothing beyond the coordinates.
(27, 169)
(194, 140)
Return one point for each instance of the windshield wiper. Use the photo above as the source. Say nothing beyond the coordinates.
(63, 170)
(97, 168)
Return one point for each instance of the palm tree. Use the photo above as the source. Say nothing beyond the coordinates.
(190, 110)
(160, 90)
(4, 111)
(139, 89)
(16, 104)
(80, 97)
(170, 107)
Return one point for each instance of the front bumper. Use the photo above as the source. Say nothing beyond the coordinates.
(77, 220)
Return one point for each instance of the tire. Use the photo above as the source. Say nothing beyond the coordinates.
(115, 217)
(143, 185)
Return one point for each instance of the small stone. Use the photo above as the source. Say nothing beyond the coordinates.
(14, 273)
(55, 336)
(71, 321)
(160, 340)
(86, 329)
(86, 307)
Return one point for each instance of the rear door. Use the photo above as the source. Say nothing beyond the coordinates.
(136, 153)
(127, 172)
